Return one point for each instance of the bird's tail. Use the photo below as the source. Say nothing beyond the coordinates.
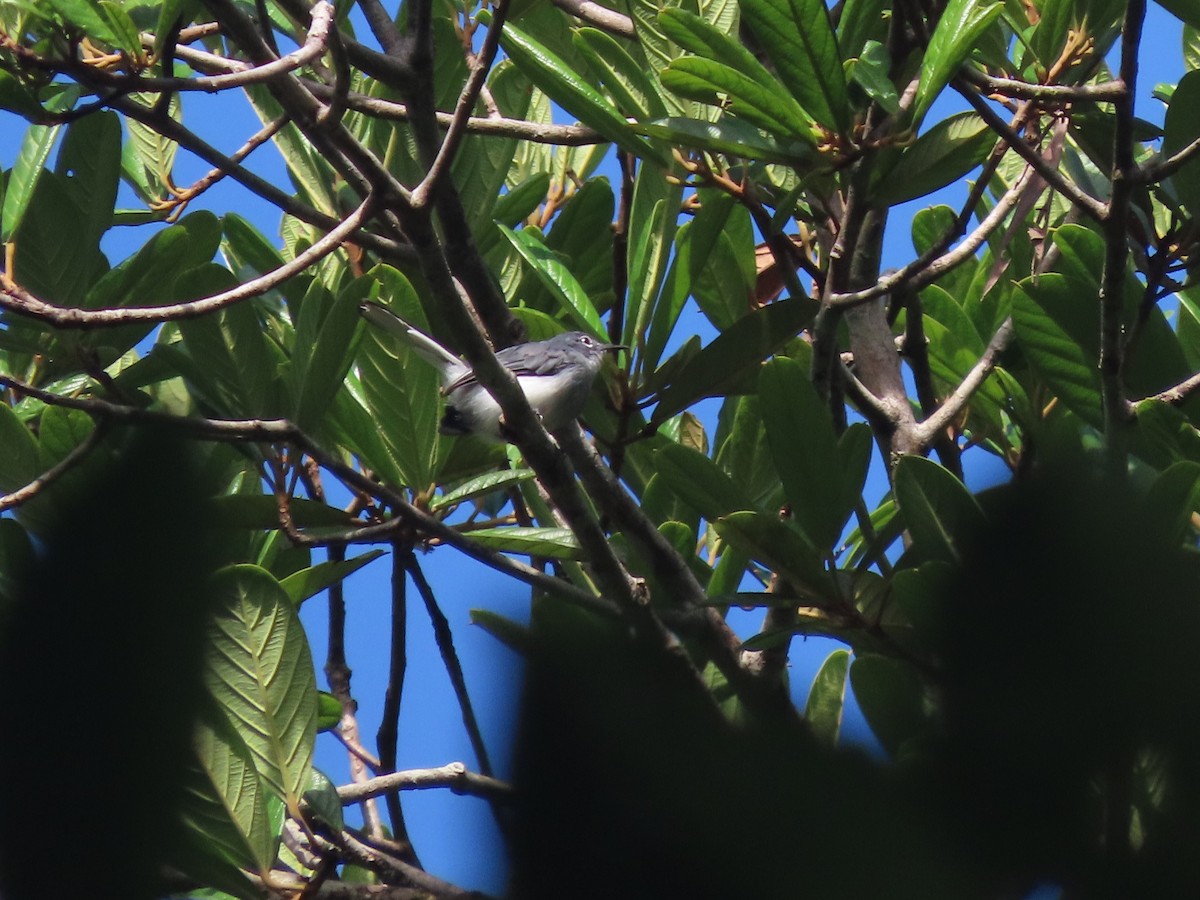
(426, 347)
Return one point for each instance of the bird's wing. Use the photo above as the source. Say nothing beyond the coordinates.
(523, 360)
(426, 347)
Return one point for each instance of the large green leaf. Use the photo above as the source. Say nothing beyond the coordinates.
(699, 481)
(732, 354)
(805, 449)
(557, 543)
(1181, 127)
(91, 158)
(1053, 324)
(956, 35)
(226, 800)
(939, 511)
(823, 709)
(487, 483)
(765, 104)
(940, 156)
(23, 179)
(551, 73)
(653, 222)
(260, 671)
(556, 278)
(400, 390)
(780, 547)
(800, 41)
(635, 94)
(891, 697)
(326, 340)
(311, 581)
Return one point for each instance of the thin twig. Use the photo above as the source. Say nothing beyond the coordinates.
(445, 642)
(482, 65)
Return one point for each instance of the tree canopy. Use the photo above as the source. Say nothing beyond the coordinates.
(199, 437)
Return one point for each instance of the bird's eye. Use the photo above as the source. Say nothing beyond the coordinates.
(585, 340)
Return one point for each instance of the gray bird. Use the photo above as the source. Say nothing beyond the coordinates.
(556, 376)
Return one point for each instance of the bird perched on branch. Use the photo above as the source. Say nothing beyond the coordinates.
(556, 376)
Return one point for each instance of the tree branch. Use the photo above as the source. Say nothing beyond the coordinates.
(1051, 175)
(1116, 247)
(64, 465)
(601, 16)
(952, 405)
(19, 300)
(455, 776)
(283, 431)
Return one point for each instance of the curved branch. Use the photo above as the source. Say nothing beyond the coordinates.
(18, 300)
(923, 271)
(1051, 175)
(455, 776)
(64, 465)
(1177, 394)
(941, 418)
(482, 64)
(1025, 90)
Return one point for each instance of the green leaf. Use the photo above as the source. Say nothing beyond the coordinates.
(765, 104)
(556, 278)
(780, 547)
(327, 333)
(860, 21)
(322, 799)
(148, 158)
(329, 711)
(311, 581)
(226, 801)
(800, 42)
(891, 697)
(400, 391)
(261, 673)
(733, 354)
(956, 35)
(699, 481)
(1181, 127)
(19, 461)
(732, 137)
(512, 634)
(87, 16)
(823, 710)
(870, 73)
(1172, 499)
(653, 223)
(261, 512)
(557, 543)
(16, 97)
(694, 246)
(23, 179)
(635, 93)
(938, 509)
(91, 158)
(805, 449)
(549, 72)
(1055, 329)
(483, 484)
(942, 155)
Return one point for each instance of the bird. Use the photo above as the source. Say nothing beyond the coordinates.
(556, 376)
